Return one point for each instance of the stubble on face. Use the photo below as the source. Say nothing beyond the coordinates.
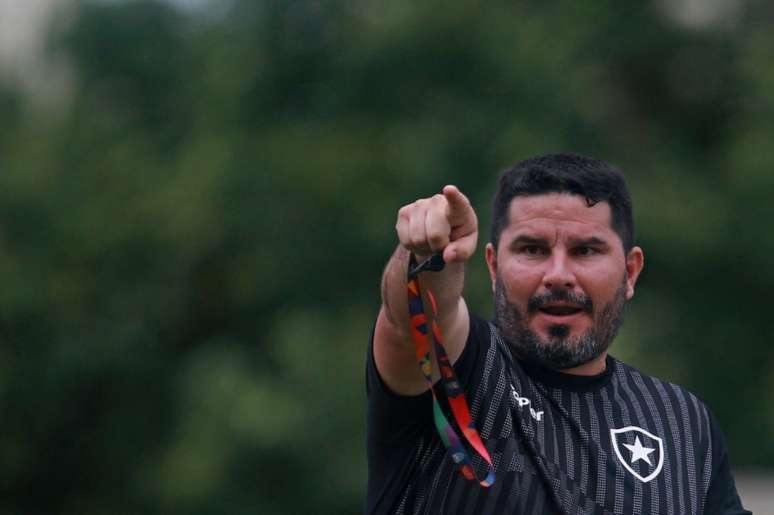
(560, 351)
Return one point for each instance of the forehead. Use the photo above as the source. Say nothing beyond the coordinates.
(554, 210)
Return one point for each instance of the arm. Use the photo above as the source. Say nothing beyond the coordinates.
(722, 498)
(443, 223)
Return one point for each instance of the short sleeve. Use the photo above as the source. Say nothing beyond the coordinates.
(398, 426)
(393, 417)
(722, 497)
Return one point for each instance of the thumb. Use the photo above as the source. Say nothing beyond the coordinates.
(460, 250)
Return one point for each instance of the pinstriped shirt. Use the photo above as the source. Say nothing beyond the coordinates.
(618, 443)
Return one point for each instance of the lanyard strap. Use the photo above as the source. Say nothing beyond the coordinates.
(454, 392)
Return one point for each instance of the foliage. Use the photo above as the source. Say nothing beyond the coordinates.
(191, 253)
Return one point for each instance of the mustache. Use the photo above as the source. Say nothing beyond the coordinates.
(582, 301)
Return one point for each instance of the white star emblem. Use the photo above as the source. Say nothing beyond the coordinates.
(639, 452)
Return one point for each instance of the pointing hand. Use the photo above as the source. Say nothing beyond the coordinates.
(445, 223)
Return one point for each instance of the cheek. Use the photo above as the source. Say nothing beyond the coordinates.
(520, 283)
(602, 288)
(521, 271)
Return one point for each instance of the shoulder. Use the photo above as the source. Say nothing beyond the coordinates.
(624, 371)
(480, 329)
(691, 430)
(472, 361)
(673, 400)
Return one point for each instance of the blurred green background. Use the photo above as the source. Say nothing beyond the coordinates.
(197, 200)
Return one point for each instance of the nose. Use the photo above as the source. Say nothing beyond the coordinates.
(559, 274)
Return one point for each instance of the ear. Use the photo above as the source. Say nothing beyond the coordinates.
(635, 260)
(491, 263)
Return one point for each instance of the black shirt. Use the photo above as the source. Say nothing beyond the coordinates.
(617, 443)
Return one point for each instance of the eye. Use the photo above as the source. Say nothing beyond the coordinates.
(533, 250)
(585, 251)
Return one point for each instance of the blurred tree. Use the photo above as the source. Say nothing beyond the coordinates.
(191, 255)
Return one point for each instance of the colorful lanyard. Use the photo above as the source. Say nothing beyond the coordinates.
(454, 393)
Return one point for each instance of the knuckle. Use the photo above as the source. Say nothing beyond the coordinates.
(435, 238)
(417, 240)
(437, 241)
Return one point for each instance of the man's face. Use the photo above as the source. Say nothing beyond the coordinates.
(560, 279)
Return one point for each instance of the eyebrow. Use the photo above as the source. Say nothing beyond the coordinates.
(528, 240)
(524, 239)
(589, 242)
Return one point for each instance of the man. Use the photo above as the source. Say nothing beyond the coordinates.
(568, 428)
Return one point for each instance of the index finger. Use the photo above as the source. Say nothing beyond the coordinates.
(459, 205)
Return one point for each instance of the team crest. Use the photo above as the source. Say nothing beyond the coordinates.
(639, 451)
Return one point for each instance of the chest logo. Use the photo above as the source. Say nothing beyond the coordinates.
(640, 452)
(523, 402)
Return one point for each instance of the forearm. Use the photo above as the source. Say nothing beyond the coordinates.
(443, 223)
(446, 286)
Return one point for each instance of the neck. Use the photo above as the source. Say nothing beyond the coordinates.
(594, 367)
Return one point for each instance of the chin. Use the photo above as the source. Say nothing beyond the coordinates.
(560, 332)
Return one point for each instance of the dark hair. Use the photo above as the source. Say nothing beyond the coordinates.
(592, 179)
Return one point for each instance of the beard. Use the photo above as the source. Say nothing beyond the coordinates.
(559, 351)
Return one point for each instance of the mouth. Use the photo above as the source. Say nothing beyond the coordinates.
(561, 311)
